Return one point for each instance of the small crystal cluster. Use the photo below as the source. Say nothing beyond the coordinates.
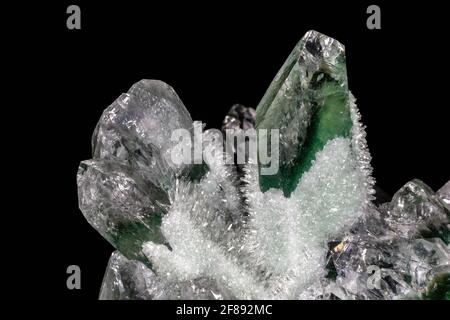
(219, 231)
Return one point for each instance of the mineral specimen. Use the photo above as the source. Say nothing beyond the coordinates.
(216, 231)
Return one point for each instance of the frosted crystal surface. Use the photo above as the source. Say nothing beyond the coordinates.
(132, 280)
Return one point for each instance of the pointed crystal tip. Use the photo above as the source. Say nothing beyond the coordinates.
(308, 102)
(323, 47)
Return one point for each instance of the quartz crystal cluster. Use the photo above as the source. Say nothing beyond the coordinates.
(219, 231)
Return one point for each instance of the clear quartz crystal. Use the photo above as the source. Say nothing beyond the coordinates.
(124, 190)
(136, 129)
(220, 231)
(406, 239)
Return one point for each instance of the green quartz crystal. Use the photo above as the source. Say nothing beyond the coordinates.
(308, 101)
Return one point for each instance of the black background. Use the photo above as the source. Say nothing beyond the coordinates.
(214, 55)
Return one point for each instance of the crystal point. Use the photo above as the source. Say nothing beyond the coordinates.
(137, 128)
(308, 101)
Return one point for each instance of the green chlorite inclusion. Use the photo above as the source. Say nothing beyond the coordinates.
(129, 236)
(308, 101)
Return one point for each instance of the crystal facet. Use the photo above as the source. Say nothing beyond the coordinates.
(308, 101)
